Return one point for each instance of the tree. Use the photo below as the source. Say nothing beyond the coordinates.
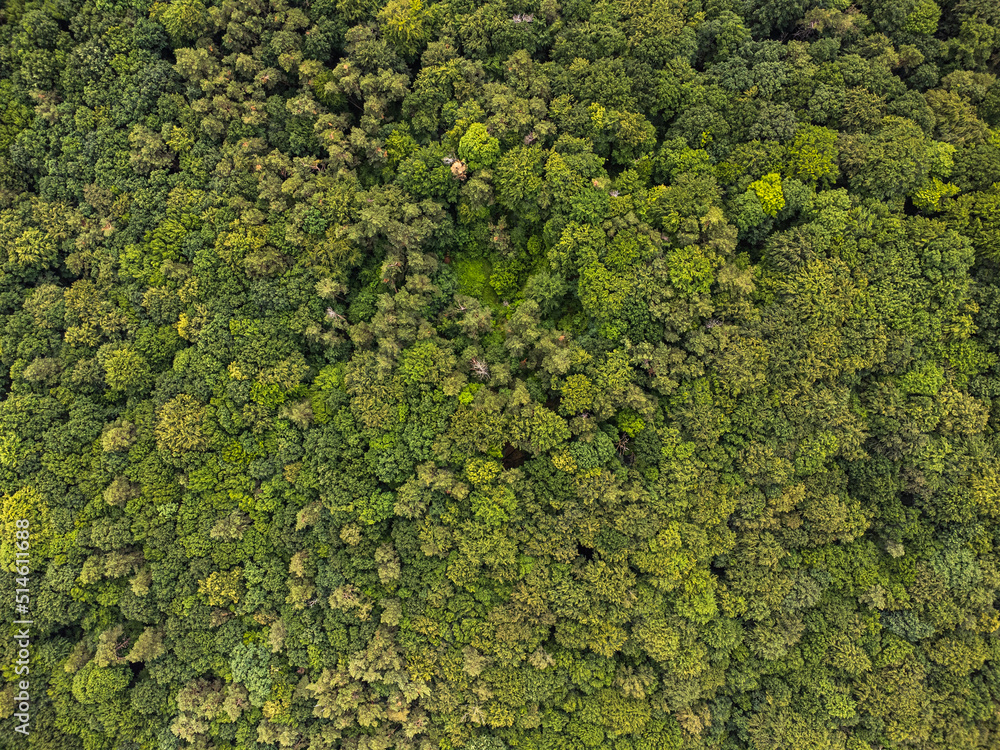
(768, 190)
(181, 427)
(125, 369)
(184, 20)
(890, 164)
(403, 24)
(477, 148)
(814, 156)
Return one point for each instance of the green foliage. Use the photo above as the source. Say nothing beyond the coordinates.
(376, 508)
(493, 505)
(769, 193)
(97, 685)
(630, 422)
(180, 427)
(571, 375)
(690, 269)
(477, 148)
(925, 381)
(184, 20)
(124, 369)
(676, 158)
(14, 116)
(221, 589)
(403, 24)
(474, 278)
(930, 195)
(519, 180)
(814, 156)
(923, 18)
(248, 663)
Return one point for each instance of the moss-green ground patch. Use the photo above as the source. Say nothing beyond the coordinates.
(474, 279)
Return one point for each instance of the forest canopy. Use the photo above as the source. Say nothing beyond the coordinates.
(523, 374)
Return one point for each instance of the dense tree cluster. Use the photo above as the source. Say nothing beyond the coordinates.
(536, 374)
